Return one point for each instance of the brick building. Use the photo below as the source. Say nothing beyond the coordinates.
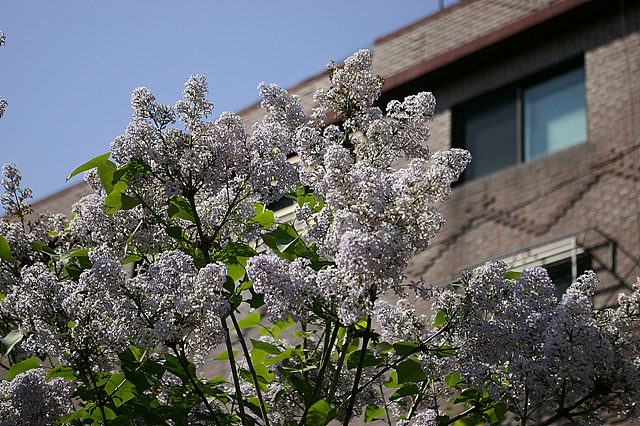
(546, 95)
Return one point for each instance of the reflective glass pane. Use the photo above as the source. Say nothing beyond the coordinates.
(555, 115)
(490, 136)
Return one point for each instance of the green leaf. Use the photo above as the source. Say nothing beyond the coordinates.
(405, 348)
(265, 219)
(138, 353)
(37, 246)
(369, 359)
(64, 372)
(244, 285)
(130, 259)
(440, 318)
(69, 254)
(9, 341)
(180, 208)
(122, 420)
(392, 383)
(468, 395)
(264, 346)
(304, 388)
(256, 301)
(315, 204)
(453, 379)
(240, 250)
(5, 250)
(216, 381)
(254, 405)
(182, 397)
(235, 271)
(321, 413)
(405, 391)
(225, 355)
(495, 414)
(258, 356)
(120, 389)
(105, 173)
(115, 182)
(250, 321)
(118, 201)
(286, 354)
(286, 242)
(262, 374)
(410, 371)
(372, 412)
(176, 233)
(78, 414)
(512, 275)
(21, 367)
(143, 375)
(98, 161)
(50, 252)
(173, 365)
(444, 351)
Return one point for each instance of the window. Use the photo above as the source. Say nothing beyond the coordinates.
(555, 114)
(522, 122)
(564, 259)
(564, 273)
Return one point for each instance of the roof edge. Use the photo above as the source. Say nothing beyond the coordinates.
(529, 21)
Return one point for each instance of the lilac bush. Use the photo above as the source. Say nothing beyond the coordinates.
(176, 255)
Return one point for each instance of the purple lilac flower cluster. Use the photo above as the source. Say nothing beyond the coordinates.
(3, 102)
(214, 163)
(31, 399)
(175, 303)
(71, 319)
(514, 339)
(374, 217)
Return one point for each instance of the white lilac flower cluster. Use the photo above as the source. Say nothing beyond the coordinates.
(94, 227)
(21, 234)
(514, 339)
(31, 399)
(214, 163)
(426, 418)
(86, 318)
(3, 102)
(374, 218)
(14, 198)
(175, 303)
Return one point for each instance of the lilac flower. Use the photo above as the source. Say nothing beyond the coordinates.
(73, 320)
(194, 103)
(283, 107)
(30, 399)
(3, 106)
(177, 304)
(14, 198)
(288, 287)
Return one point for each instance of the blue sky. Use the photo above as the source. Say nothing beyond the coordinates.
(69, 66)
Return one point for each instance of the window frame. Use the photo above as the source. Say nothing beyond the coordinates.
(515, 90)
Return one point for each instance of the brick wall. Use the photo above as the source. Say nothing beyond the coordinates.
(447, 29)
(590, 190)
